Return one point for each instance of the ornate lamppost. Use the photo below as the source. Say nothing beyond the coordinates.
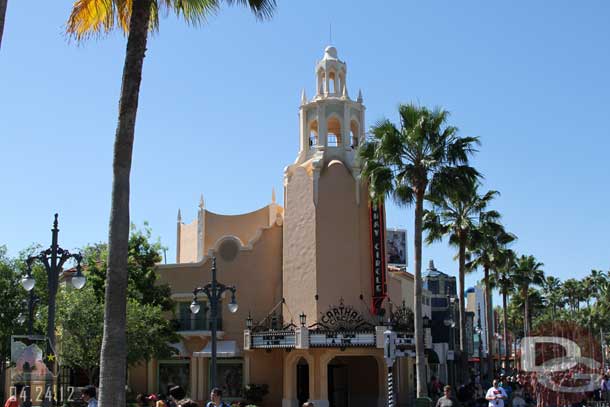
(479, 331)
(53, 260)
(499, 338)
(213, 291)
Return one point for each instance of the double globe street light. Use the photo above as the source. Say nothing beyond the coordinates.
(53, 260)
(214, 291)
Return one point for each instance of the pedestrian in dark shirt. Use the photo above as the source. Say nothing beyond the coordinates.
(447, 400)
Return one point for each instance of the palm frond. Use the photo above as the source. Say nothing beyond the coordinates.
(262, 9)
(90, 18)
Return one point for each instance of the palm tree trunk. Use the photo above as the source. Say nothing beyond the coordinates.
(3, 5)
(462, 304)
(526, 314)
(420, 362)
(505, 329)
(113, 367)
(488, 322)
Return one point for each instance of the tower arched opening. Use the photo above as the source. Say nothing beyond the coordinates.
(332, 85)
(313, 134)
(334, 132)
(354, 132)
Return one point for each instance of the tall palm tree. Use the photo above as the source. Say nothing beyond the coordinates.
(571, 291)
(3, 6)
(486, 247)
(527, 272)
(457, 213)
(422, 155)
(135, 17)
(502, 280)
(551, 290)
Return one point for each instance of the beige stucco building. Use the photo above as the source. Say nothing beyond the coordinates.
(309, 278)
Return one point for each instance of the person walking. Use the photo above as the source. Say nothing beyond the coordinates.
(216, 398)
(496, 395)
(447, 400)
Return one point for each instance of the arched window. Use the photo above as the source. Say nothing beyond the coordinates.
(334, 132)
(321, 80)
(354, 133)
(332, 85)
(313, 134)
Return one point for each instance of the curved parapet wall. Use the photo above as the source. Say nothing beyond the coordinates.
(203, 234)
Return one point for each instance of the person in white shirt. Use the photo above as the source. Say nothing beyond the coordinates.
(496, 395)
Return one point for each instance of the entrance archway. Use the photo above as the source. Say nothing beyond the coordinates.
(302, 374)
(352, 381)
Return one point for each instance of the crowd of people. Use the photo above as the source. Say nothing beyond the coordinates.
(521, 390)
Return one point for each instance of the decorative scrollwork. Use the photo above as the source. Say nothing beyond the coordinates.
(343, 318)
(402, 319)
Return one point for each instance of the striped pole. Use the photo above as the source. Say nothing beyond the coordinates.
(390, 387)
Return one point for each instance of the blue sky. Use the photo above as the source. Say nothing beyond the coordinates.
(219, 103)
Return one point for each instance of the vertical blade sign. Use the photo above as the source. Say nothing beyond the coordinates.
(377, 255)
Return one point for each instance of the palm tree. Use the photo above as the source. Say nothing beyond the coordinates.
(502, 280)
(486, 247)
(551, 290)
(422, 155)
(457, 213)
(527, 272)
(3, 6)
(571, 292)
(135, 17)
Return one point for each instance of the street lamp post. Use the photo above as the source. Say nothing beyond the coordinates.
(53, 260)
(499, 338)
(480, 333)
(213, 291)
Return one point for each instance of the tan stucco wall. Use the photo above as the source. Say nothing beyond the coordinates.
(256, 273)
(188, 243)
(244, 227)
(299, 250)
(138, 378)
(343, 241)
(266, 368)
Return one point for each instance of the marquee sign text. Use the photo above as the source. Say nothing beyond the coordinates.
(378, 255)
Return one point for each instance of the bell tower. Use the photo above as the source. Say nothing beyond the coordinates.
(326, 239)
(331, 124)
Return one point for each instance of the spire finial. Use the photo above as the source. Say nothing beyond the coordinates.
(179, 216)
(272, 195)
(201, 203)
(360, 96)
(330, 33)
(303, 97)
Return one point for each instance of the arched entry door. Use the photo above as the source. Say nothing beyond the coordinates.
(352, 381)
(302, 381)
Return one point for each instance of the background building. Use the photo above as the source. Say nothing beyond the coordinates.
(313, 289)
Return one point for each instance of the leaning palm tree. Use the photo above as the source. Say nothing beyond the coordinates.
(422, 155)
(456, 213)
(3, 6)
(527, 272)
(486, 245)
(136, 18)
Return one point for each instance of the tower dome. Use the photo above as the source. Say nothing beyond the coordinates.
(331, 74)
